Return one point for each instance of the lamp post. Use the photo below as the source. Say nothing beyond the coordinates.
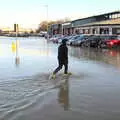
(47, 15)
(47, 19)
(46, 6)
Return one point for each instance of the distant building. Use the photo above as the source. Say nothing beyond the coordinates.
(16, 27)
(108, 23)
(101, 24)
(55, 29)
(67, 28)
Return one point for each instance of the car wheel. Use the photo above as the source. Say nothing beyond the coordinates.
(83, 45)
(102, 45)
(99, 46)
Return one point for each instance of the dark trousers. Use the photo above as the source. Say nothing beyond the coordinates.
(61, 63)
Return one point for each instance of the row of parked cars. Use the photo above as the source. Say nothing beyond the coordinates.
(97, 41)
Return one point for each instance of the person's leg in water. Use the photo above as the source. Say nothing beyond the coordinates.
(58, 68)
(66, 67)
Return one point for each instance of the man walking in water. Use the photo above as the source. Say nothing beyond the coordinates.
(62, 58)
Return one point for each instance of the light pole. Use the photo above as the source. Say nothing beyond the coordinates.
(47, 19)
(46, 6)
(47, 15)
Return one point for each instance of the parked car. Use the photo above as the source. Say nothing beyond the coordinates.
(59, 39)
(109, 41)
(79, 40)
(93, 41)
(55, 38)
(86, 41)
(73, 38)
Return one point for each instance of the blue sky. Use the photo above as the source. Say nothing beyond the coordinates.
(29, 13)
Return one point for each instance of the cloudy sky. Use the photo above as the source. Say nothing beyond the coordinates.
(29, 13)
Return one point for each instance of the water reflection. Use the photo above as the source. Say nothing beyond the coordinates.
(17, 61)
(25, 56)
(109, 56)
(29, 50)
(15, 49)
(63, 95)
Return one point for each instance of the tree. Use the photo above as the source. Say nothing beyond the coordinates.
(31, 32)
(44, 25)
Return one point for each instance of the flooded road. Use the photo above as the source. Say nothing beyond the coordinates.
(26, 93)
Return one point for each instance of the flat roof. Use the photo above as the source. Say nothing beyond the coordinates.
(105, 22)
(110, 13)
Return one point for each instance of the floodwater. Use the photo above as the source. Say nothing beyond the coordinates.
(26, 93)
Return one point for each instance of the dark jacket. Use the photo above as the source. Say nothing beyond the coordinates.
(63, 53)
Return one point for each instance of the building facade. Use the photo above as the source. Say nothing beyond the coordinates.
(108, 23)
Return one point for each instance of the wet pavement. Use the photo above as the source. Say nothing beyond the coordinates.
(26, 93)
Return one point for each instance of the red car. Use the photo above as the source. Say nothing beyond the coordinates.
(109, 41)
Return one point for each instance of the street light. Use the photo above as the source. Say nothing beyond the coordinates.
(47, 18)
(46, 6)
(47, 15)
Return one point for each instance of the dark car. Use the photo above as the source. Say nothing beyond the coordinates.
(92, 41)
(80, 40)
(109, 41)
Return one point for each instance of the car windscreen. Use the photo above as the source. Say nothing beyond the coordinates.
(82, 37)
(93, 37)
(113, 37)
(109, 37)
